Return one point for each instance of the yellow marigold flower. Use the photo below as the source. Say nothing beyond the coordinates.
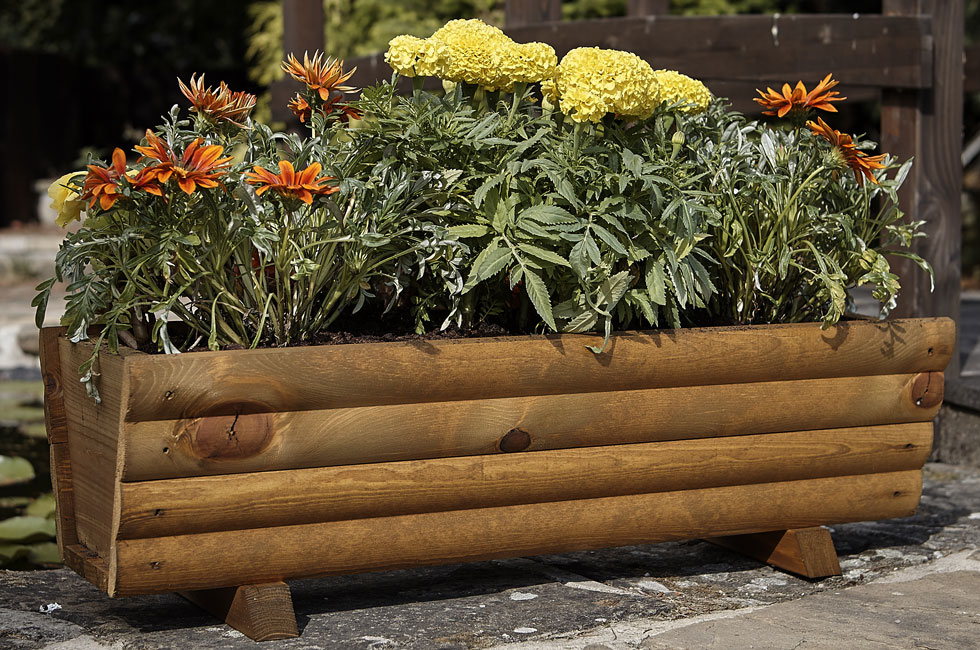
(526, 63)
(64, 199)
(472, 52)
(410, 56)
(430, 58)
(591, 82)
(401, 54)
(678, 88)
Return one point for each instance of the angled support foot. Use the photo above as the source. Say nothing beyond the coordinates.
(260, 612)
(808, 552)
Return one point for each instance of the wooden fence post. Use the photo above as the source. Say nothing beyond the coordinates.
(928, 124)
(518, 13)
(302, 31)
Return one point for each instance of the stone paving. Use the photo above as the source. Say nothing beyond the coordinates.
(674, 595)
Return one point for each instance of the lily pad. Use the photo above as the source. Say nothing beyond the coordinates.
(43, 506)
(40, 553)
(10, 553)
(26, 529)
(15, 470)
(44, 553)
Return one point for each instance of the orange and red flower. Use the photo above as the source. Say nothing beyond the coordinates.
(323, 76)
(860, 163)
(102, 183)
(289, 182)
(798, 98)
(301, 107)
(217, 105)
(199, 166)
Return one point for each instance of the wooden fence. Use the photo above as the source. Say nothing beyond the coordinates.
(911, 56)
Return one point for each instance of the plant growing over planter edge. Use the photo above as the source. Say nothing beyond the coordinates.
(594, 194)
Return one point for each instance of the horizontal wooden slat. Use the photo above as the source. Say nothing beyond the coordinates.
(869, 50)
(280, 498)
(261, 442)
(210, 560)
(341, 376)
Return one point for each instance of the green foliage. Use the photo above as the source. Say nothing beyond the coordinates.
(797, 231)
(464, 207)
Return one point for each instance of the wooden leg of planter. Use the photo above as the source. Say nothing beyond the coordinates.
(808, 552)
(260, 612)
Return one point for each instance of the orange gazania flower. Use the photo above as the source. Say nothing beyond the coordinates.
(322, 76)
(200, 165)
(102, 183)
(300, 106)
(288, 182)
(220, 104)
(861, 163)
(146, 180)
(780, 104)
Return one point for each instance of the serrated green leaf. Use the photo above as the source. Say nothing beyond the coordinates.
(468, 230)
(489, 184)
(548, 214)
(609, 239)
(655, 282)
(538, 293)
(542, 254)
(585, 321)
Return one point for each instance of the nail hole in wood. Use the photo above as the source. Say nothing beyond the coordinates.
(929, 351)
(166, 450)
(158, 512)
(909, 446)
(169, 395)
(514, 440)
(155, 565)
(897, 493)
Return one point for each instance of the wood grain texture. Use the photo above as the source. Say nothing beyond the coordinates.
(808, 552)
(527, 12)
(211, 560)
(342, 376)
(88, 564)
(871, 50)
(93, 443)
(928, 124)
(260, 612)
(280, 498)
(56, 423)
(293, 440)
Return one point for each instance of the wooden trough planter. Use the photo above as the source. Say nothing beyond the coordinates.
(223, 474)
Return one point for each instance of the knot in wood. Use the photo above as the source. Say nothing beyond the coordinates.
(927, 389)
(51, 384)
(226, 437)
(514, 440)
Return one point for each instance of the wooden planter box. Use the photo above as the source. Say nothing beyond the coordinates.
(243, 469)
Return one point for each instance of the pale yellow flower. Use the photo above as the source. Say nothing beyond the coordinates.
(401, 54)
(472, 53)
(64, 199)
(526, 63)
(679, 88)
(591, 82)
(410, 56)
